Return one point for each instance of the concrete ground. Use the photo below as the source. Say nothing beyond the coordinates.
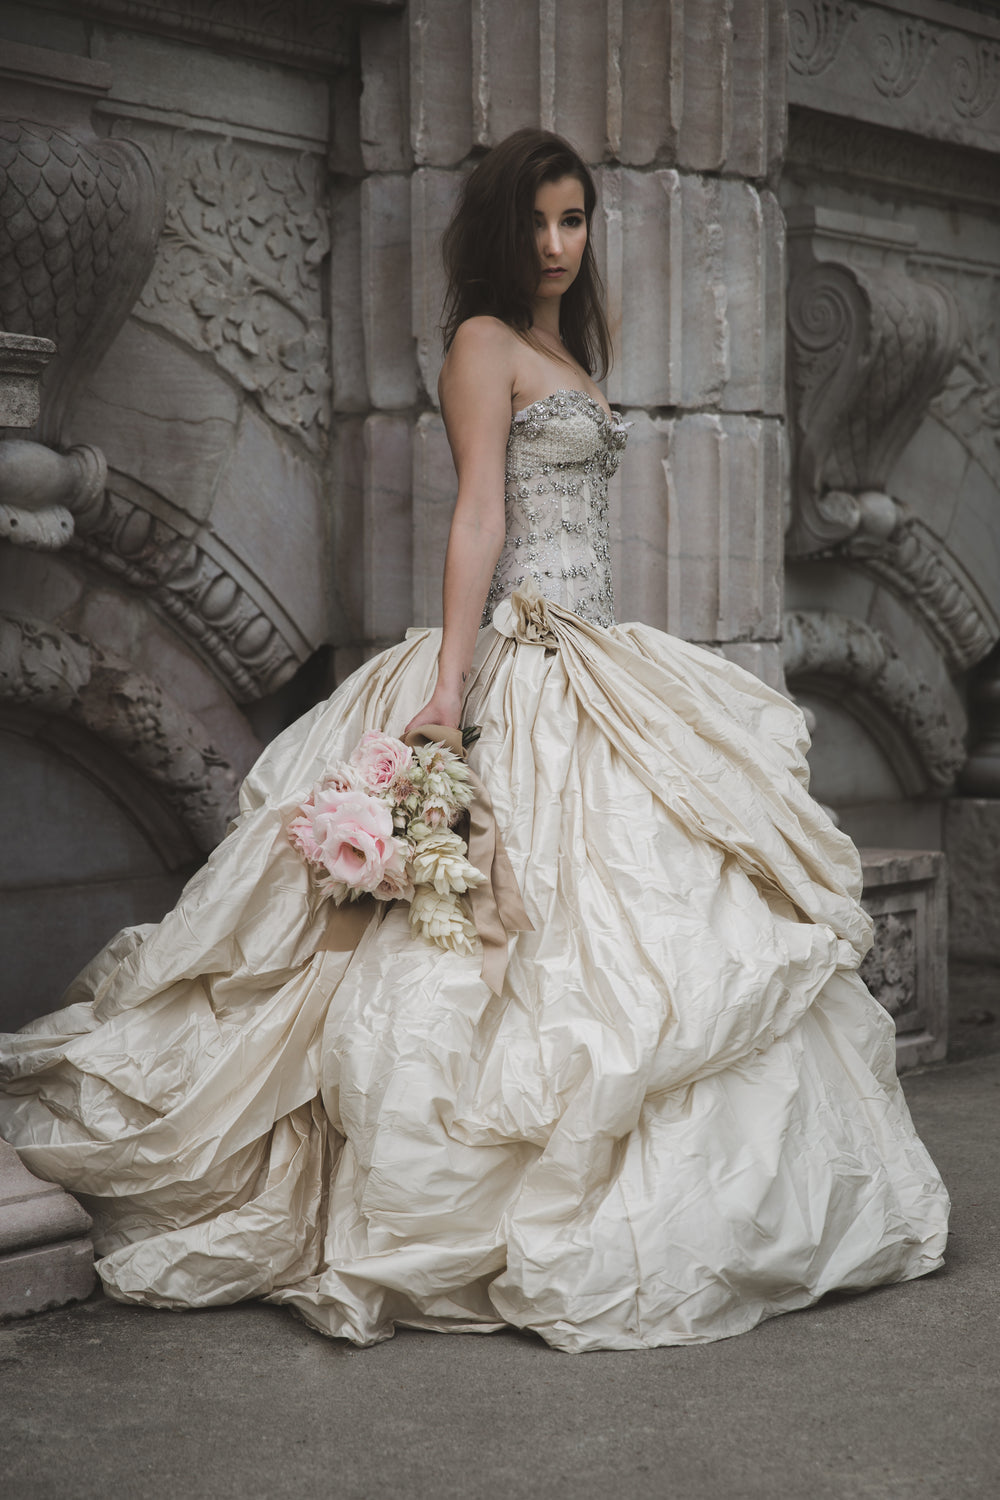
(894, 1395)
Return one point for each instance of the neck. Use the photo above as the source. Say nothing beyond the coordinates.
(545, 319)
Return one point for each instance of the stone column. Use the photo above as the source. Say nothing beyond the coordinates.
(46, 1258)
(680, 109)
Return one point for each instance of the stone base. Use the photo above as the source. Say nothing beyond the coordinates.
(46, 1276)
(972, 843)
(907, 969)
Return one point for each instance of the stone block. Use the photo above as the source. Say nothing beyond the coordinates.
(347, 341)
(907, 970)
(706, 118)
(743, 259)
(385, 291)
(385, 91)
(157, 76)
(639, 523)
(347, 510)
(769, 338)
(638, 241)
(388, 527)
(761, 658)
(159, 413)
(433, 198)
(22, 364)
(759, 60)
(580, 42)
(972, 843)
(435, 489)
(440, 81)
(645, 83)
(269, 511)
(33, 1212)
(505, 68)
(33, 1281)
(723, 492)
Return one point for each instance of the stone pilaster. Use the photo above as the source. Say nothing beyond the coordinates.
(46, 1258)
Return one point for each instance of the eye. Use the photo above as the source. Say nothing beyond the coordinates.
(573, 221)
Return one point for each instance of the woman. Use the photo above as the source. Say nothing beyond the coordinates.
(677, 1112)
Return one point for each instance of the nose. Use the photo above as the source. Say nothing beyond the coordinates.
(551, 241)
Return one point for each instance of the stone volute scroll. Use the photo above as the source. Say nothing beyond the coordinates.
(869, 348)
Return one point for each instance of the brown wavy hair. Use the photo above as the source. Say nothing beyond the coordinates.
(491, 257)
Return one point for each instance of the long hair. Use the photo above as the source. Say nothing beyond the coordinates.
(491, 256)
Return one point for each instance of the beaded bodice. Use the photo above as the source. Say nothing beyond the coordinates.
(561, 452)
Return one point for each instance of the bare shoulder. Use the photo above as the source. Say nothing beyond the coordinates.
(483, 348)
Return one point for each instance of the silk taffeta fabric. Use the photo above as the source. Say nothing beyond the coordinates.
(679, 1117)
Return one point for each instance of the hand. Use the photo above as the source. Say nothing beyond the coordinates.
(444, 708)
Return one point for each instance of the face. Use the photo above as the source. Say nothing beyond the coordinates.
(560, 234)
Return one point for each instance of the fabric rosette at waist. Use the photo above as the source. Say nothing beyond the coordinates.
(525, 616)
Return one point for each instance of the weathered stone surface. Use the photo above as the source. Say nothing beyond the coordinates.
(644, 82)
(921, 67)
(33, 1212)
(347, 467)
(385, 290)
(32, 1281)
(576, 42)
(638, 240)
(706, 120)
(347, 344)
(385, 92)
(388, 527)
(22, 363)
(723, 482)
(434, 194)
(435, 490)
(158, 413)
(905, 892)
(269, 512)
(638, 499)
(440, 81)
(762, 658)
(155, 76)
(505, 68)
(972, 843)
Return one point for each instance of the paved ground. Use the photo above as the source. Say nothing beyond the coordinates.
(890, 1396)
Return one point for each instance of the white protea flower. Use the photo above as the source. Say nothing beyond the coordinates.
(441, 920)
(440, 861)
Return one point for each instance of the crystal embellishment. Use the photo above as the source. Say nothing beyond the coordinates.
(561, 452)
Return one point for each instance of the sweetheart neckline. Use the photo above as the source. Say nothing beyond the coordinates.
(611, 418)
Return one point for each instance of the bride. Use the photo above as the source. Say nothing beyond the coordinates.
(676, 1113)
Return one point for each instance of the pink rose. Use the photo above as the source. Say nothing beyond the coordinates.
(378, 759)
(349, 834)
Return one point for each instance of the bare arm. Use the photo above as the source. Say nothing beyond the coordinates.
(475, 390)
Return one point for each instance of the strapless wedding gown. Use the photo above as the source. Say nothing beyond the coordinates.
(679, 1117)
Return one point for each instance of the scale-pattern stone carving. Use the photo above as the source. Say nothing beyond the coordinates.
(869, 349)
(219, 619)
(54, 671)
(79, 219)
(821, 644)
(237, 273)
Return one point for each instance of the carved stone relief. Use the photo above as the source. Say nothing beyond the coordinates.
(237, 273)
(824, 646)
(868, 350)
(79, 220)
(51, 670)
(890, 969)
(905, 63)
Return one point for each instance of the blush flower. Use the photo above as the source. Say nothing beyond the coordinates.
(396, 884)
(379, 759)
(350, 834)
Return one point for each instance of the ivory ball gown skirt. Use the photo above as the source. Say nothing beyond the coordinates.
(679, 1117)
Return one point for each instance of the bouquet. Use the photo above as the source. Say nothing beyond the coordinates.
(382, 824)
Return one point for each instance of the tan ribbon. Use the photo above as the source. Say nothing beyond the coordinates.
(496, 905)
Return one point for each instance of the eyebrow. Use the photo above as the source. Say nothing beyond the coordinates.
(564, 212)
